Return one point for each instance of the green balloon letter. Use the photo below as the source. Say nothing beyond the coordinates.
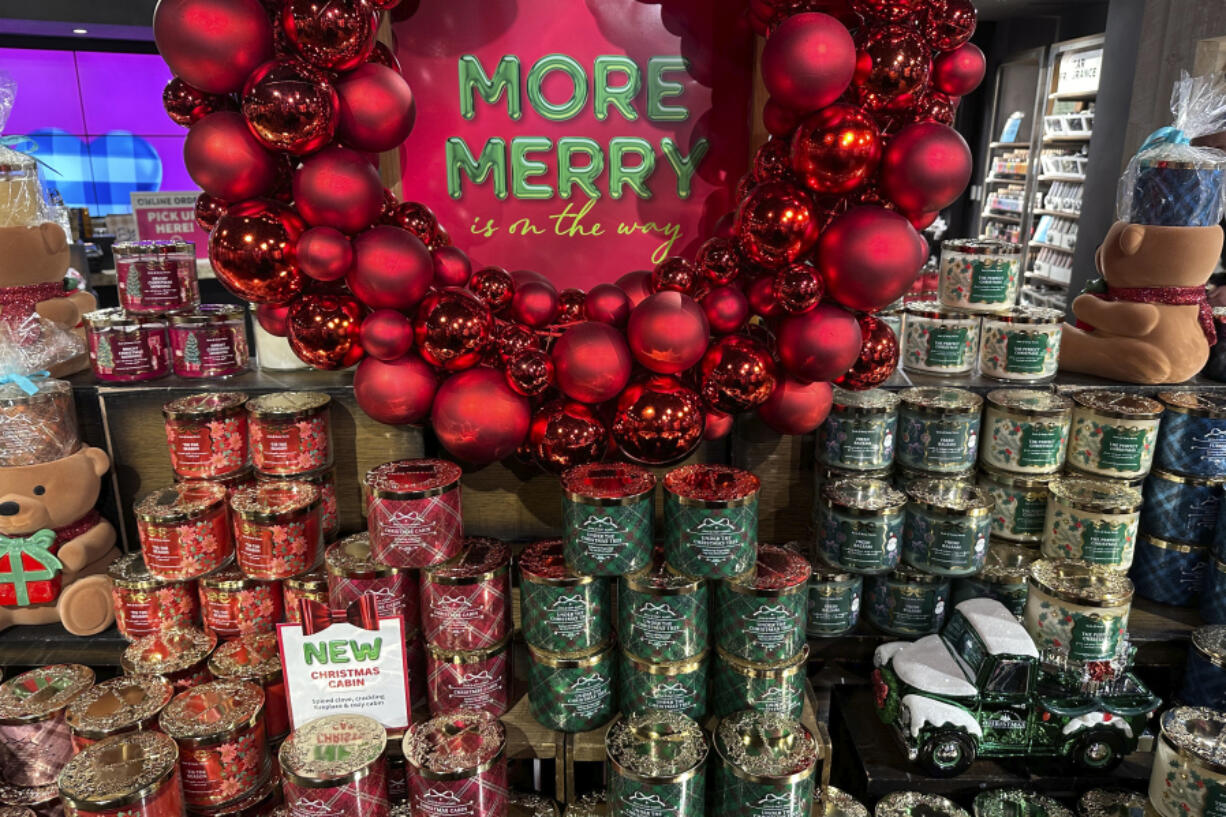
(493, 161)
(536, 79)
(473, 79)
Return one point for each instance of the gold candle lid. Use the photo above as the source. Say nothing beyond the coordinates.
(872, 401)
(656, 746)
(314, 581)
(659, 579)
(332, 751)
(412, 479)
(274, 501)
(666, 668)
(253, 657)
(916, 804)
(950, 497)
(764, 669)
(181, 502)
(1038, 482)
(1027, 315)
(1196, 403)
(287, 405)
(480, 559)
(205, 405)
(119, 771)
(941, 400)
(455, 745)
(838, 803)
(130, 573)
(577, 659)
(1120, 404)
(212, 713)
(1081, 583)
(351, 558)
(1095, 495)
(1198, 732)
(863, 497)
(231, 579)
(1008, 564)
(42, 693)
(467, 656)
(167, 652)
(119, 704)
(1031, 402)
(1111, 803)
(766, 747)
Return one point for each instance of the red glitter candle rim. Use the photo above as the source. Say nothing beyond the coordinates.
(205, 406)
(275, 501)
(253, 657)
(712, 486)
(167, 652)
(778, 571)
(481, 558)
(455, 745)
(611, 483)
(413, 479)
(185, 501)
(543, 562)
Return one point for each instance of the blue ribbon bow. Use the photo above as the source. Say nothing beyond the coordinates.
(24, 382)
(1165, 136)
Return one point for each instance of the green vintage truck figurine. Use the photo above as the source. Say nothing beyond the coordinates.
(979, 689)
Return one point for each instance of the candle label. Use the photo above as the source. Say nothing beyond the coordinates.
(833, 607)
(1121, 448)
(992, 281)
(1026, 352)
(862, 544)
(711, 543)
(602, 540)
(946, 347)
(864, 443)
(945, 444)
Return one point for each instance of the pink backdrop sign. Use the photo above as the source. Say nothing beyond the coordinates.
(579, 138)
(169, 217)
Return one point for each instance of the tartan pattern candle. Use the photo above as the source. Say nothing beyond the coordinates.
(777, 686)
(561, 612)
(573, 692)
(131, 775)
(457, 765)
(607, 510)
(184, 530)
(334, 767)
(129, 703)
(766, 766)
(662, 617)
(353, 573)
(145, 605)
(291, 432)
(207, 434)
(35, 738)
(466, 602)
(657, 766)
(312, 585)
(179, 655)
(277, 529)
(762, 618)
(676, 687)
(234, 605)
(256, 658)
(413, 512)
(480, 679)
(415, 656)
(711, 520)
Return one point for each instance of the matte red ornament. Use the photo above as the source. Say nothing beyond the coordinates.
(523, 276)
(396, 392)
(334, 34)
(808, 61)
(325, 330)
(924, 220)
(530, 372)
(570, 306)
(726, 308)
(888, 10)
(772, 162)
(212, 45)
(868, 258)
(325, 254)
(289, 108)
(775, 224)
(418, 219)
(592, 362)
(387, 334)
(273, 319)
(382, 54)
(493, 285)
(949, 23)
(657, 421)
(836, 149)
(878, 356)
(208, 210)
(717, 426)
(338, 188)
(795, 407)
(479, 418)
(636, 285)
(737, 373)
(253, 250)
(797, 288)
(925, 167)
(668, 332)
(535, 303)
(607, 303)
(674, 274)
(564, 434)
(761, 296)
(960, 71)
(452, 328)
(377, 110)
(391, 269)
(818, 345)
(891, 61)
(223, 157)
(186, 105)
(719, 260)
(451, 267)
(779, 120)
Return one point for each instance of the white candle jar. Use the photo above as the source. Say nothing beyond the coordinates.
(938, 340)
(979, 275)
(1021, 345)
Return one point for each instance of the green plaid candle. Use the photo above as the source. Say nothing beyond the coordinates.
(777, 687)
(608, 510)
(573, 693)
(711, 520)
(676, 687)
(766, 766)
(662, 617)
(658, 766)
(561, 612)
(762, 617)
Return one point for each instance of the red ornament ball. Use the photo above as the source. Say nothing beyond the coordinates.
(253, 250)
(186, 105)
(674, 274)
(761, 296)
(925, 167)
(937, 107)
(511, 338)
(289, 108)
(808, 61)
(391, 269)
(325, 330)
(338, 188)
(451, 267)
(717, 425)
(570, 306)
(657, 421)
(818, 345)
(535, 303)
(452, 328)
(564, 434)
(772, 162)
(878, 356)
(337, 35)
(607, 303)
(726, 308)
(778, 119)
(836, 149)
(775, 224)
(493, 285)
(387, 334)
(418, 219)
(960, 71)
(797, 288)
(737, 374)
(377, 110)
(479, 418)
(592, 362)
(530, 372)
(868, 258)
(719, 260)
(668, 332)
(891, 62)
(325, 254)
(209, 209)
(636, 285)
(889, 10)
(523, 276)
(382, 54)
(273, 319)
(796, 408)
(226, 160)
(949, 23)
(396, 392)
(212, 45)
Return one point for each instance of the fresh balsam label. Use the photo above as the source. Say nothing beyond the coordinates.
(991, 281)
(832, 609)
(867, 443)
(947, 347)
(956, 545)
(1026, 352)
(944, 445)
(859, 544)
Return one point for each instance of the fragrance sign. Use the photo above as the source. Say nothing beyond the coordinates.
(583, 140)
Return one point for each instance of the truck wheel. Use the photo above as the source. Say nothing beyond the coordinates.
(1099, 749)
(947, 753)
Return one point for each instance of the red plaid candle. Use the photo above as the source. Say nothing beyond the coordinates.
(234, 605)
(132, 775)
(465, 602)
(480, 679)
(419, 695)
(35, 738)
(413, 512)
(256, 658)
(180, 655)
(144, 604)
(129, 703)
(291, 432)
(277, 529)
(457, 765)
(207, 434)
(313, 586)
(353, 573)
(334, 767)
(184, 530)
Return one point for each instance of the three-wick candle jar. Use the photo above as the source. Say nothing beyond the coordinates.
(607, 510)
(329, 510)
(657, 765)
(1004, 577)
(711, 520)
(946, 528)
(1019, 504)
(859, 525)
(764, 686)
(126, 348)
(457, 765)
(939, 340)
(34, 728)
(353, 572)
(1188, 776)
(1025, 431)
(662, 616)
(678, 686)
(1115, 434)
(291, 432)
(1192, 438)
(156, 277)
(207, 434)
(834, 601)
(233, 604)
(145, 604)
(766, 760)
(906, 602)
(469, 679)
(209, 342)
(979, 275)
(561, 611)
(1092, 520)
(312, 586)
(762, 616)
(335, 766)
(1078, 609)
(180, 655)
(278, 529)
(184, 530)
(413, 512)
(938, 429)
(129, 703)
(129, 775)
(573, 692)
(256, 658)
(858, 434)
(1021, 345)
(466, 601)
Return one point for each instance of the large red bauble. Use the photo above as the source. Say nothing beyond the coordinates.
(530, 372)
(289, 109)
(592, 362)
(253, 250)
(925, 167)
(338, 188)
(226, 161)
(636, 285)
(535, 303)
(451, 267)
(325, 254)
(325, 330)
(778, 119)
(878, 356)
(377, 109)
(478, 417)
(668, 332)
(868, 257)
(452, 328)
(396, 392)
(208, 210)
(950, 23)
(726, 308)
(796, 408)
(607, 303)
(775, 224)
(391, 269)
(960, 71)
(836, 149)
(719, 260)
(273, 318)
(212, 44)
(564, 434)
(772, 162)
(334, 34)
(808, 61)
(387, 334)
(493, 285)
(186, 105)
(657, 420)
(818, 345)
(891, 62)
(737, 374)
(797, 288)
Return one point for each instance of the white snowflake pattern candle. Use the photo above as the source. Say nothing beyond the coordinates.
(939, 340)
(1092, 520)
(1114, 434)
(1025, 431)
(1021, 345)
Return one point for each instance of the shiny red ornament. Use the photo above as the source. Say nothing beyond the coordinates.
(452, 328)
(778, 119)
(382, 54)
(925, 167)
(657, 421)
(772, 162)
(273, 318)
(726, 308)
(391, 269)
(949, 23)
(510, 338)
(668, 332)
(377, 110)
(186, 105)
(895, 11)
(607, 303)
(937, 107)
(418, 219)
(530, 372)
(387, 334)
(396, 392)
(479, 418)
(878, 356)
(636, 285)
(717, 425)
(334, 34)
(570, 306)
(338, 188)
(719, 260)
(818, 345)
(795, 407)
(808, 61)
(208, 210)
(290, 108)
(226, 161)
(891, 61)
(212, 45)
(325, 254)
(797, 288)
(737, 373)
(960, 71)
(592, 362)
(761, 296)
(325, 330)
(451, 267)
(836, 149)
(253, 250)
(868, 258)
(535, 303)
(775, 224)
(564, 434)
(493, 285)
(674, 274)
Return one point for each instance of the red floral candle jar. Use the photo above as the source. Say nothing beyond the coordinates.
(145, 604)
(277, 531)
(353, 573)
(333, 767)
(132, 775)
(234, 605)
(291, 432)
(35, 738)
(207, 434)
(210, 341)
(255, 658)
(126, 348)
(184, 530)
(181, 656)
(477, 679)
(457, 765)
(414, 512)
(312, 585)
(156, 277)
(223, 754)
(129, 703)
(260, 803)
(466, 601)
(325, 481)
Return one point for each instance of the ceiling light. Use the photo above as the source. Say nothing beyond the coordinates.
(80, 31)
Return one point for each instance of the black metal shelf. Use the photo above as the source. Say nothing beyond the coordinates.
(52, 644)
